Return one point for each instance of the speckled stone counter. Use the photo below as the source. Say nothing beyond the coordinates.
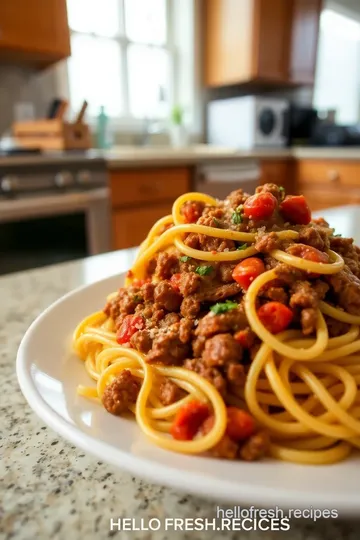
(49, 488)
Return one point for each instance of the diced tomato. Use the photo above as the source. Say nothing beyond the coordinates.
(275, 316)
(245, 338)
(130, 325)
(175, 281)
(247, 270)
(240, 424)
(295, 209)
(207, 425)
(260, 206)
(191, 211)
(188, 420)
(309, 253)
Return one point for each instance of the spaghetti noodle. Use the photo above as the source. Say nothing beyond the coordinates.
(238, 304)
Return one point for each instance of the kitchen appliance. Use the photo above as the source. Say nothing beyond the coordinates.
(328, 134)
(302, 122)
(52, 210)
(218, 180)
(247, 122)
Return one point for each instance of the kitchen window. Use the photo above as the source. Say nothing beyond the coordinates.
(337, 81)
(122, 57)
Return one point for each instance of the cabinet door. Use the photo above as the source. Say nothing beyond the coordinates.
(138, 186)
(280, 172)
(328, 197)
(34, 29)
(228, 36)
(130, 227)
(304, 40)
(271, 40)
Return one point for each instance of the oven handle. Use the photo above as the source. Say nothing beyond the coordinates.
(45, 205)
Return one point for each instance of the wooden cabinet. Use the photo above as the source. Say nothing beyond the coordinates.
(131, 226)
(328, 183)
(304, 40)
(139, 197)
(280, 172)
(34, 31)
(260, 40)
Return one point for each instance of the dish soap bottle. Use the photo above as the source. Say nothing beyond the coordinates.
(103, 138)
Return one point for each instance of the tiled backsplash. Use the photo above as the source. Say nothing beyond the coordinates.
(22, 84)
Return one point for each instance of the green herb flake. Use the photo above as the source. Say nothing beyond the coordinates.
(184, 258)
(337, 235)
(137, 298)
(217, 222)
(242, 247)
(282, 192)
(223, 307)
(236, 218)
(204, 270)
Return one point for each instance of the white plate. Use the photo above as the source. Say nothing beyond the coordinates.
(48, 374)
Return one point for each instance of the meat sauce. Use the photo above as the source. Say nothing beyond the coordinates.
(192, 315)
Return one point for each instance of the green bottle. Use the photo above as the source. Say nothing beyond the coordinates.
(103, 139)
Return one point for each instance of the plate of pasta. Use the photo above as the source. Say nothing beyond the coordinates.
(225, 363)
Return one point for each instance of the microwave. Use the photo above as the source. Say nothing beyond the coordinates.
(248, 122)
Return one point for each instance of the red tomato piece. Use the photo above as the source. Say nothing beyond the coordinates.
(295, 209)
(188, 420)
(309, 253)
(175, 281)
(191, 211)
(131, 324)
(245, 338)
(247, 270)
(260, 206)
(240, 424)
(275, 316)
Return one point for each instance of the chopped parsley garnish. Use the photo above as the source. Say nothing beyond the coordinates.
(242, 247)
(236, 218)
(184, 258)
(217, 222)
(337, 235)
(137, 298)
(204, 270)
(223, 307)
(282, 192)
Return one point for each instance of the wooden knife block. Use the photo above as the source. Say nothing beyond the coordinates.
(54, 134)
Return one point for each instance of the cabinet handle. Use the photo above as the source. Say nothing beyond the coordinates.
(333, 175)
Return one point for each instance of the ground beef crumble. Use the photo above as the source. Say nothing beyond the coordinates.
(121, 393)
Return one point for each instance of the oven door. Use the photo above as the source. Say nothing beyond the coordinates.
(51, 228)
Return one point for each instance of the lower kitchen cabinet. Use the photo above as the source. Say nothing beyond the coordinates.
(328, 197)
(280, 172)
(328, 183)
(139, 197)
(130, 227)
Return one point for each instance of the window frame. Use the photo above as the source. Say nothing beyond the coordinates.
(126, 121)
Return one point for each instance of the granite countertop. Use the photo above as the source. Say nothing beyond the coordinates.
(156, 156)
(51, 489)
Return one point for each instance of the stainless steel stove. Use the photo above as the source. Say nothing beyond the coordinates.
(52, 209)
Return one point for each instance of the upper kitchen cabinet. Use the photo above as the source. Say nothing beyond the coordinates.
(260, 41)
(34, 32)
(304, 40)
